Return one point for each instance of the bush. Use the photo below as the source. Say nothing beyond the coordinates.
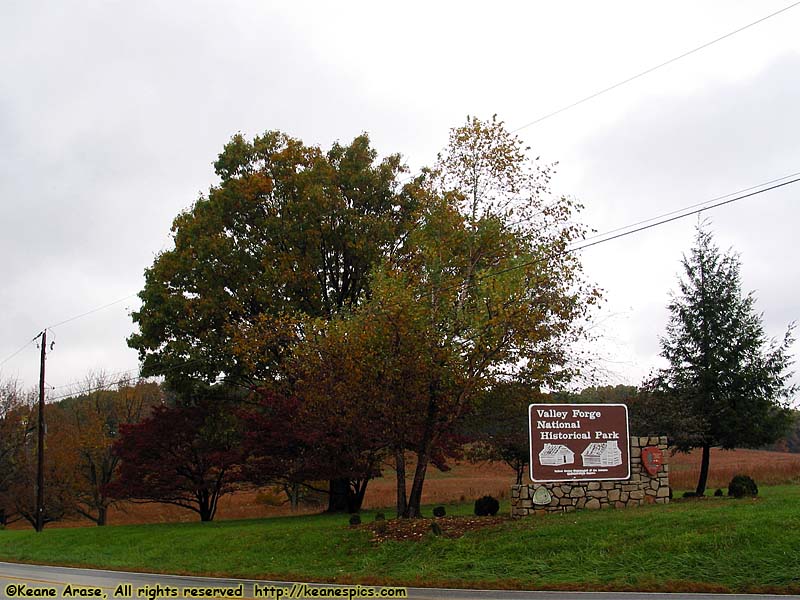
(439, 511)
(436, 529)
(380, 517)
(486, 506)
(741, 486)
(689, 494)
(355, 520)
(718, 492)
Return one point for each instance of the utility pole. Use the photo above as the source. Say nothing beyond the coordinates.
(40, 465)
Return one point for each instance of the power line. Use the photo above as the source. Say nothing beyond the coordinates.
(680, 210)
(743, 190)
(689, 214)
(90, 312)
(25, 345)
(654, 68)
(119, 381)
(624, 233)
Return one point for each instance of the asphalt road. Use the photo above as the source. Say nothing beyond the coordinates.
(34, 581)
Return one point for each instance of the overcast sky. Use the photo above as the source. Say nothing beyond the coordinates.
(112, 113)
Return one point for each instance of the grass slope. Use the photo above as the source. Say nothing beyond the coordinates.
(708, 545)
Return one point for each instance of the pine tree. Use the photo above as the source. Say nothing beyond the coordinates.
(727, 379)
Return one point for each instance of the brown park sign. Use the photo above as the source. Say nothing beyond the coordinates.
(579, 442)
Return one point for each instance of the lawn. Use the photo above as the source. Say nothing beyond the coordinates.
(713, 544)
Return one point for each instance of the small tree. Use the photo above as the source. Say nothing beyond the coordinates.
(18, 482)
(723, 370)
(92, 423)
(188, 456)
(498, 428)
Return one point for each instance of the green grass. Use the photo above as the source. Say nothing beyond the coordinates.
(717, 544)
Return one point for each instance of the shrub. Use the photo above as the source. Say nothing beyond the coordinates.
(486, 506)
(718, 492)
(690, 494)
(380, 517)
(355, 520)
(741, 486)
(436, 528)
(439, 511)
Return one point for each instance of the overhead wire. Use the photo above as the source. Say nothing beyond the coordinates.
(654, 68)
(90, 312)
(16, 352)
(676, 211)
(583, 246)
(117, 382)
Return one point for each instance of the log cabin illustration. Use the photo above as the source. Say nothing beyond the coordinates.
(556, 454)
(602, 454)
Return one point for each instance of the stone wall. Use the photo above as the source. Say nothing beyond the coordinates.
(641, 488)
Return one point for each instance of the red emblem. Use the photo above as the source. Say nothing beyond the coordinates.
(652, 459)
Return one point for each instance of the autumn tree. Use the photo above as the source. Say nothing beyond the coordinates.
(93, 422)
(18, 491)
(188, 456)
(14, 431)
(482, 290)
(289, 231)
(724, 372)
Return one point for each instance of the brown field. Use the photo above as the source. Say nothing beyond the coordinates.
(466, 482)
(766, 468)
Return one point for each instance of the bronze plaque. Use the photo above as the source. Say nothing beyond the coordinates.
(579, 442)
(652, 459)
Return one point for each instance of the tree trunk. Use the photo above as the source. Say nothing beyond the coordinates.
(102, 515)
(413, 509)
(701, 483)
(355, 497)
(400, 470)
(337, 496)
(206, 504)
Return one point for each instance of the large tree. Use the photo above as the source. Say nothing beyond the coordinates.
(727, 378)
(289, 231)
(483, 290)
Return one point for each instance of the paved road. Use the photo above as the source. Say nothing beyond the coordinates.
(33, 581)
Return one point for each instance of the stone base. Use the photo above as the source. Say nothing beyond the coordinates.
(641, 488)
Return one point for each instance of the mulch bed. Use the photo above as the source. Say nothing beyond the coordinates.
(417, 529)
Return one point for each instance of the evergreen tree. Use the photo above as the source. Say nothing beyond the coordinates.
(725, 376)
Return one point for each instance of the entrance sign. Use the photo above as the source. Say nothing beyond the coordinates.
(579, 442)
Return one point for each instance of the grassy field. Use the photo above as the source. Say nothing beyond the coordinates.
(714, 544)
